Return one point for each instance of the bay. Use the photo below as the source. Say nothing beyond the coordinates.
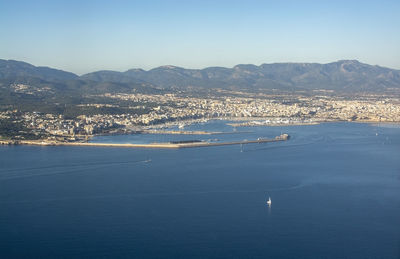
(335, 191)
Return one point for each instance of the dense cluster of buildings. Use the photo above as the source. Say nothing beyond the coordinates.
(317, 107)
(178, 108)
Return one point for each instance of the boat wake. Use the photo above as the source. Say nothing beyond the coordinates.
(59, 169)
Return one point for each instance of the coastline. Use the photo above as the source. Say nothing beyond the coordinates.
(196, 132)
(159, 129)
(250, 124)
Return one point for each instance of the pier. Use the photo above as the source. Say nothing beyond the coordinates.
(166, 145)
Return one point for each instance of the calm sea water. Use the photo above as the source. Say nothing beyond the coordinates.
(335, 191)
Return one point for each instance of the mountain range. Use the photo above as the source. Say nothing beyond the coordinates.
(341, 76)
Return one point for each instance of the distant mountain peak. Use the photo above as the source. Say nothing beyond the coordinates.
(136, 70)
(349, 61)
(14, 69)
(341, 75)
(169, 67)
(246, 67)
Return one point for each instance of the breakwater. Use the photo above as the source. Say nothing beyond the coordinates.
(166, 145)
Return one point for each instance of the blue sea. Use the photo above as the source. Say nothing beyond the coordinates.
(335, 191)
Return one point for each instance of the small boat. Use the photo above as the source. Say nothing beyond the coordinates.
(269, 201)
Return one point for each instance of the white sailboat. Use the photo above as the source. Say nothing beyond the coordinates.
(269, 201)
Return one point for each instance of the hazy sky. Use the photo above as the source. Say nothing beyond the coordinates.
(83, 36)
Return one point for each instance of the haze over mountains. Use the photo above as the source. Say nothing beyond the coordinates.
(343, 76)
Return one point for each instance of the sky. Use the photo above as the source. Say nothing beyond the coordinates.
(86, 36)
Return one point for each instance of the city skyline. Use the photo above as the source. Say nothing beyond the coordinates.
(85, 37)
